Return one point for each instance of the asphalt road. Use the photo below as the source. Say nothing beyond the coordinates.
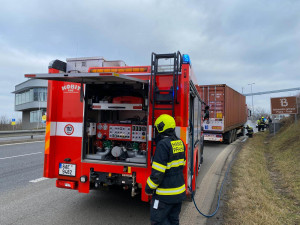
(40, 202)
(19, 164)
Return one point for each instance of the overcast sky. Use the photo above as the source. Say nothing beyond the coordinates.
(235, 42)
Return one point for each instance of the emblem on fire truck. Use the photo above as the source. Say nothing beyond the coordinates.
(69, 129)
(71, 88)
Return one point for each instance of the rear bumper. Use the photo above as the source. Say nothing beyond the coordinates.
(213, 137)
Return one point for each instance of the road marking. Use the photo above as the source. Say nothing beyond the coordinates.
(16, 156)
(39, 179)
(21, 143)
(245, 139)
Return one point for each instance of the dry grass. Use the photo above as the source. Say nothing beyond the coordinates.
(285, 152)
(265, 181)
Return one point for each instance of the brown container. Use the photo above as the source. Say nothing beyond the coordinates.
(224, 102)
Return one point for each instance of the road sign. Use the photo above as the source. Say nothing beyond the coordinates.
(13, 123)
(44, 118)
(13, 120)
(284, 105)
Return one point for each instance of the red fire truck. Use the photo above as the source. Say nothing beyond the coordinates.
(100, 120)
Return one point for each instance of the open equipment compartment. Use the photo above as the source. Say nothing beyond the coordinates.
(115, 121)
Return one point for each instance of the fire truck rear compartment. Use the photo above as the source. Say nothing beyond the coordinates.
(115, 124)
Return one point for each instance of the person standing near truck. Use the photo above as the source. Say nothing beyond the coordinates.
(206, 114)
(166, 181)
(262, 123)
(258, 124)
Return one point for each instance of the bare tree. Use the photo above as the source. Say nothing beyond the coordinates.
(5, 124)
(259, 112)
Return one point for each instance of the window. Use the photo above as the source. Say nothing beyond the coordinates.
(33, 94)
(40, 94)
(196, 118)
(26, 96)
(36, 116)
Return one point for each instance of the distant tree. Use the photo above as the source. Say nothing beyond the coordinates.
(259, 112)
(5, 124)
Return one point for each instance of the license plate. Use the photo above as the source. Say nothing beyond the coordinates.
(67, 169)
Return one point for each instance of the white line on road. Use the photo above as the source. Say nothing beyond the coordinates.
(22, 143)
(39, 179)
(16, 156)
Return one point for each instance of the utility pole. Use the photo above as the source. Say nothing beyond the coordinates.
(252, 101)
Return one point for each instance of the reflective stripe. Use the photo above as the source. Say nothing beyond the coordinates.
(176, 163)
(159, 167)
(151, 184)
(170, 191)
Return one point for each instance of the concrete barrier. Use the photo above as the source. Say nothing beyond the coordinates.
(22, 133)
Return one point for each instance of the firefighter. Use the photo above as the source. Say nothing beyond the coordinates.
(249, 131)
(206, 114)
(262, 123)
(166, 181)
(258, 124)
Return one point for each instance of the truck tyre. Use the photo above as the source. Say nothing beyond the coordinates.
(229, 137)
(226, 137)
(234, 135)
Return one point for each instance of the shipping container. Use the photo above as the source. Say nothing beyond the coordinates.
(227, 112)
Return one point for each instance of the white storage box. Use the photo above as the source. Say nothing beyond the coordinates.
(82, 65)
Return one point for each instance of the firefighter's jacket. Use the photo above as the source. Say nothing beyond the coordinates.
(166, 179)
(249, 129)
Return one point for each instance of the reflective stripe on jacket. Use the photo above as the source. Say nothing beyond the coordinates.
(166, 177)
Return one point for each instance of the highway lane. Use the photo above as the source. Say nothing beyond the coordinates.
(43, 203)
(19, 164)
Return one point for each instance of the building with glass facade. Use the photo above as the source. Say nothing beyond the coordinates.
(31, 100)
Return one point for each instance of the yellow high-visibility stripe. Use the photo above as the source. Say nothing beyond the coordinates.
(151, 184)
(47, 138)
(170, 191)
(176, 163)
(159, 167)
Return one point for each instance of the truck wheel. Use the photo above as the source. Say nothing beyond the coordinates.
(234, 135)
(227, 138)
(230, 137)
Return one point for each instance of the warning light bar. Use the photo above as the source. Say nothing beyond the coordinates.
(186, 59)
(127, 69)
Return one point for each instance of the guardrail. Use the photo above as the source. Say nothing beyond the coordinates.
(21, 133)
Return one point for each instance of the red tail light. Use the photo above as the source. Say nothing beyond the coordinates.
(66, 184)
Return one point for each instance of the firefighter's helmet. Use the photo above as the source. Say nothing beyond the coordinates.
(164, 122)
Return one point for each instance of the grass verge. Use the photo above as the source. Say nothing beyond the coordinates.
(265, 180)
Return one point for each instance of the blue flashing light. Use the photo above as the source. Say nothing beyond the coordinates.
(186, 59)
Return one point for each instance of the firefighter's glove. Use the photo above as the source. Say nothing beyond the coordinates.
(149, 191)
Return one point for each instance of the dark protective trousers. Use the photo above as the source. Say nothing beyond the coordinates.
(165, 214)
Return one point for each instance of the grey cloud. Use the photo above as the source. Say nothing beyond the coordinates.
(230, 41)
